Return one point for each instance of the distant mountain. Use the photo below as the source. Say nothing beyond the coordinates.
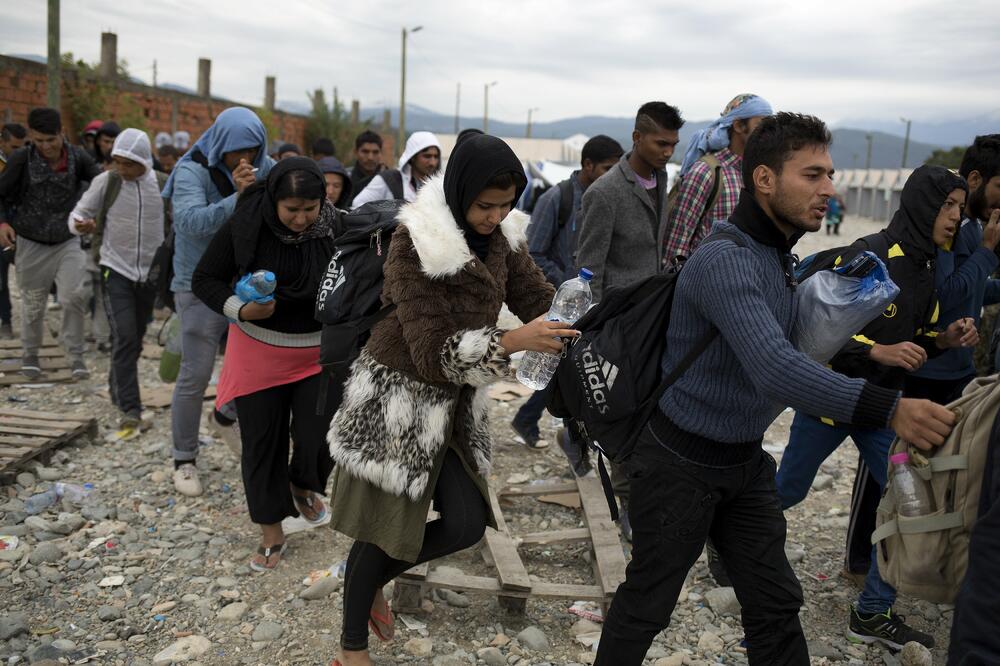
(850, 147)
(957, 132)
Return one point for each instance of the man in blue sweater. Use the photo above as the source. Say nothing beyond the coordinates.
(962, 276)
(698, 470)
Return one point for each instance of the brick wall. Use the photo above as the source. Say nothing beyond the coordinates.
(23, 85)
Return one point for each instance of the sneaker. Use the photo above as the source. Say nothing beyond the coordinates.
(6, 332)
(30, 367)
(887, 628)
(130, 421)
(530, 438)
(186, 480)
(716, 567)
(79, 369)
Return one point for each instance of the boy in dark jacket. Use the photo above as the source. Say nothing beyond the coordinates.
(897, 342)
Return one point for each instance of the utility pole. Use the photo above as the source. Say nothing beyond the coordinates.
(527, 133)
(868, 156)
(458, 96)
(401, 136)
(486, 106)
(54, 75)
(906, 140)
(154, 72)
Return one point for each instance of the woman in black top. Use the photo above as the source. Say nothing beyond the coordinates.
(284, 225)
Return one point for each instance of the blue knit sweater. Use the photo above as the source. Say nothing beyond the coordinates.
(752, 371)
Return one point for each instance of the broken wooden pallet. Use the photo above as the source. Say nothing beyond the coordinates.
(26, 434)
(512, 585)
(51, 357)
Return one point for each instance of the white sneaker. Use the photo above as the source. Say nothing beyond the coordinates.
(186, 480)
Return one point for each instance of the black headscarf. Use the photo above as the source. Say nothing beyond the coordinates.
(257, 208)
(924, 192)
(475, 162)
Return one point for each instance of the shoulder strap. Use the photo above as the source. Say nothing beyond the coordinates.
(111, 191)
(161, 179)
(713, 195)
(394, 180)
(565, 201)
(219, 179)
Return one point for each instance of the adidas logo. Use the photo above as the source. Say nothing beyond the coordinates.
(599, 377)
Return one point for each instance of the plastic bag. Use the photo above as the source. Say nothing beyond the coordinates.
(835, 304)
(170, 340)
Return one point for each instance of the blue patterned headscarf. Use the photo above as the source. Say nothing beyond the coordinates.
(715, 136)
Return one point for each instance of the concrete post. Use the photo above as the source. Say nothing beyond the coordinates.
(269, 93)
(204, 77)
(109, 55)
(355, 112)
(54, 74)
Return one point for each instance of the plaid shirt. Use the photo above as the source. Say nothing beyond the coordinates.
(686, 229)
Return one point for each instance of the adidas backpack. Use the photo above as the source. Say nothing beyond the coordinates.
(927, 556)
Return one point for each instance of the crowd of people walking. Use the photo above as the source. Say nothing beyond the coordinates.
(120, 225)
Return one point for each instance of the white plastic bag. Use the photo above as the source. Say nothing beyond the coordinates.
(835, 304)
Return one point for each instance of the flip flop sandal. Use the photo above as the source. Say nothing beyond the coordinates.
(383, 626)
(308, 499)
(268, 551)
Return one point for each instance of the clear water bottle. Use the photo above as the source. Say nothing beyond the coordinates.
(75, 494)
(257, 286)
(571, 302)
(40, 502)
(913, 494)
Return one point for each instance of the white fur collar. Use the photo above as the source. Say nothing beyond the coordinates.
(436, 236)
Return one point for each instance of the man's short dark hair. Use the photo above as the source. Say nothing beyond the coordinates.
(45, 120)
(777, 137)
(982, 156)
(601, 148)
(15, 130)
(368, 136)
(656, 116)
(323, 146)
(168, 151)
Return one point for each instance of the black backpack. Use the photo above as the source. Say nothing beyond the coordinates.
(349, 300)
(609, 380)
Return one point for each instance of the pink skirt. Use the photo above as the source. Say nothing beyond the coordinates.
(251, 365)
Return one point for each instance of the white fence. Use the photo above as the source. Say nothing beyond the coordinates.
(871, 193)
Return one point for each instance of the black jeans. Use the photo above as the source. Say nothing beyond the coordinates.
(974, 637)
(530, 413)
(461, 525)
(265, 431)
(675, 506)
(5, 308)
(128, 305)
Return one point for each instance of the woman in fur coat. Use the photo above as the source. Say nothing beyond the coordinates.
(414, 422)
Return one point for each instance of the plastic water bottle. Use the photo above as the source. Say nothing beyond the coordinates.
(79, 495)
(913, 496)
(257, 286)
(40, 502)
(571, 302)
(170, 358)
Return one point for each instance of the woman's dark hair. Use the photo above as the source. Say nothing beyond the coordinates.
(299, 184)
(777, 137)
(502, 181)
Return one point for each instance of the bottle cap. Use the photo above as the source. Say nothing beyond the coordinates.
(586, 274)
(269, 276)
(88, 486)
(899, 458)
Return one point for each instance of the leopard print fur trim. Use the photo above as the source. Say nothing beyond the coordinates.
(475, 357)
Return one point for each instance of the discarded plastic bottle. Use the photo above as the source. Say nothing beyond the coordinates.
(571, 302)
(913, 494)
(257, 287)
(75, 494)
(40, 502)
(170, 359)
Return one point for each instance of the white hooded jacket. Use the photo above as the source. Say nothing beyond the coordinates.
(378, 190)
(133, 229)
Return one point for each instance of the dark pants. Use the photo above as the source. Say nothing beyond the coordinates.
(675, 506)
(975, 640)
(461, 525)
(5, 308)
(941, 391)
(128, 305)
(264, 430)
(530, 413)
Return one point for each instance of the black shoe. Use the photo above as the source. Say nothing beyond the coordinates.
(530, 437)
(716, 567)
(886, 628)
(624, 524)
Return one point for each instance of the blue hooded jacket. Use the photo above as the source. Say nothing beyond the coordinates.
(199, 209)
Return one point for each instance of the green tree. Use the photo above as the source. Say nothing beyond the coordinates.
(332, 121)
(951, 158)
(90, 97)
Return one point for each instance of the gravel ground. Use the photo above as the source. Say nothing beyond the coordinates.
(145, 576)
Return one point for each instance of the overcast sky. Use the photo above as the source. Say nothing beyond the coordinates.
(927, 60)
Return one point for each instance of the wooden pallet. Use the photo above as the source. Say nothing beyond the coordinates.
(26, 434)
(55, 365)
(512, 585)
